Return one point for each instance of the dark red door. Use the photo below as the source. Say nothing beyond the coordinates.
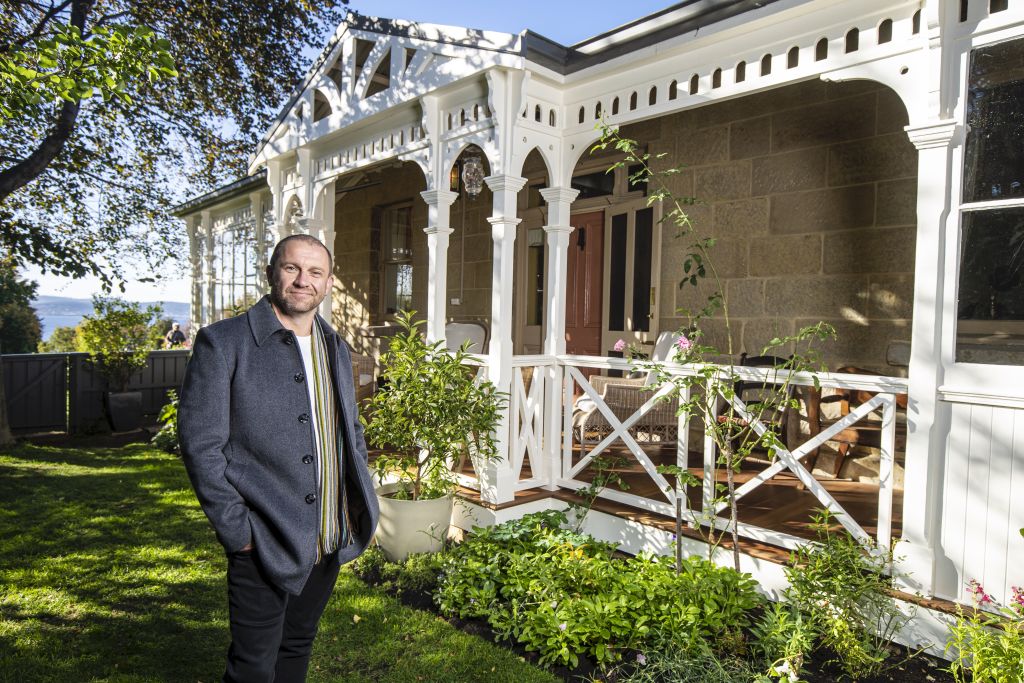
(584, 285)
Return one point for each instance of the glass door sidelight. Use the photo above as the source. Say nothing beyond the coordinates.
(632, 264)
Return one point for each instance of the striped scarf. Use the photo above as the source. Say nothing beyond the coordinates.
(334, 528)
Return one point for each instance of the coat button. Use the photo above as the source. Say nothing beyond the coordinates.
(310, 498)
(299, 377)
(304, 418)
(288, 339)
(307, 459)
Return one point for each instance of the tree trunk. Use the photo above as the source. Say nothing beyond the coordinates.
(6, 438)
(28, 169)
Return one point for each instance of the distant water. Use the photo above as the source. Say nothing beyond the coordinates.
(59, 311)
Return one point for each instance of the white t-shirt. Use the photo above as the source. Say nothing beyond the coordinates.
(306, 349)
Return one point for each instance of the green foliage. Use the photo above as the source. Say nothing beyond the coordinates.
(418, 573)
(167, 438)
(65, 65)
(20, 329)
(119, 336)
(86, 186)
(563, 594)
(62, 340)
(987, 646)
(842, 592)
(670, 660)
(431, 411)
(783, 638)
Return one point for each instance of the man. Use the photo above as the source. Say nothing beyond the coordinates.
(275, 452)
(174, 337)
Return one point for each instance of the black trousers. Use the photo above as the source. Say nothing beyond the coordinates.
(272, 632)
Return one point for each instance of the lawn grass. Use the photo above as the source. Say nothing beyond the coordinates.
(110, 572)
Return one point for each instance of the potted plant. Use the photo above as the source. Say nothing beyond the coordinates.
(118, 337)
(431, 414)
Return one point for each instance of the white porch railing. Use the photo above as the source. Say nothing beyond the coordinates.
(557, 457)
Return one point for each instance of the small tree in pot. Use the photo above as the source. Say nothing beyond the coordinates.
(433, 414)
(118, 337)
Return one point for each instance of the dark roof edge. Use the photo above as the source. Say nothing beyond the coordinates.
(568, 60)
(222, 194)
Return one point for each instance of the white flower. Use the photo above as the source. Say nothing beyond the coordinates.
(561, 627)
(641, 659)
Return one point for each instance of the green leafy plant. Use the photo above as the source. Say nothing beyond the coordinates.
(843, 593)
(784, 639)
(714, 381)
(564, 594)
(118, 336)
(670, 660)
(432, 412)
(987, 642)
(167, 438)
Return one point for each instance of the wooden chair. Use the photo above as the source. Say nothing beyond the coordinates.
(864, 433)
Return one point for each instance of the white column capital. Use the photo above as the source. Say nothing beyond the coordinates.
(565, 195)
(503, 221)
(439, 197)
(438, 230)
(505, 183)
(311, 226)
(934, 134)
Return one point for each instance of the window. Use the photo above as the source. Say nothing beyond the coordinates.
(990, 294)
(397, 253)
(535, 277)
(234, 247)
(594, 184)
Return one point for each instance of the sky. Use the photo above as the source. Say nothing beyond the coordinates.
(565, 21)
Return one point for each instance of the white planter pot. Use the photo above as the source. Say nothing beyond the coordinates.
(411, 526)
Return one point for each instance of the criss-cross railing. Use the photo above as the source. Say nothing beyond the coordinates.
(645, 421)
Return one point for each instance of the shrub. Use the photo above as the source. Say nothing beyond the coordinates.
(988, 646)
(843, 594)
(562, 594)
(118, 336)
(167, 438)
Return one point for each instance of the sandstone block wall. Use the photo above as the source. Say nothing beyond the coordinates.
(810, 191)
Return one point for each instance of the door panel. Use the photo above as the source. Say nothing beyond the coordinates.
(584, 304)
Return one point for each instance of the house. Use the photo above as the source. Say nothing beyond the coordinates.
(858, 163)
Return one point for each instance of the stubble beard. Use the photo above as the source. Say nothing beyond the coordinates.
(293, 306)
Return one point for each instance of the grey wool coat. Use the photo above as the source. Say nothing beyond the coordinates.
(247, 442)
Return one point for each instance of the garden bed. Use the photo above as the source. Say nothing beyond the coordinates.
(425, 583)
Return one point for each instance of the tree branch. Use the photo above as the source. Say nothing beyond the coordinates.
(40, 25)
(21, 174)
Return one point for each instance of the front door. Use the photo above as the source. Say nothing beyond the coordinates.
(584, 286)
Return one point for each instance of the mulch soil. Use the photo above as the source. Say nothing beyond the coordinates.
(906, 666)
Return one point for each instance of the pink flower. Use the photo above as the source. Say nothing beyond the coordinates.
(1017, 601)
(620, 346)
(978, 593)
(683, 343)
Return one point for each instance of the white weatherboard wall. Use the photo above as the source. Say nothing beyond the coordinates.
(983, 508)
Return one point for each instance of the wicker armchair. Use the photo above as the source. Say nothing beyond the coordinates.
(624, 397)
(363, 378)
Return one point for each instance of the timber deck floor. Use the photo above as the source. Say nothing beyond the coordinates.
(778, 504)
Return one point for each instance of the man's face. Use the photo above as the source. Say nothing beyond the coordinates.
(301, 278)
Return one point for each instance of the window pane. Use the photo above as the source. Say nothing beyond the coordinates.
(594, 184)
(617, 276)
(994, 155)
(990, 304)
(399, 287)
(642, 250)
(535, 278)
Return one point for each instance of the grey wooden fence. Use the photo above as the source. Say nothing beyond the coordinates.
(63, 391)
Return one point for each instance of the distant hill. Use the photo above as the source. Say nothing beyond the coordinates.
(63, 311)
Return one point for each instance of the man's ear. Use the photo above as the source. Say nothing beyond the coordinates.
(270, 275)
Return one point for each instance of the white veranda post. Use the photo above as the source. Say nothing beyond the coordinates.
(209, 310)
(497, 481)
(438, 231)
(558, 230)
(916, 550)
(195, 248)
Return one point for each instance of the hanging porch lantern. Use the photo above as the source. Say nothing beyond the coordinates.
(473, 175)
